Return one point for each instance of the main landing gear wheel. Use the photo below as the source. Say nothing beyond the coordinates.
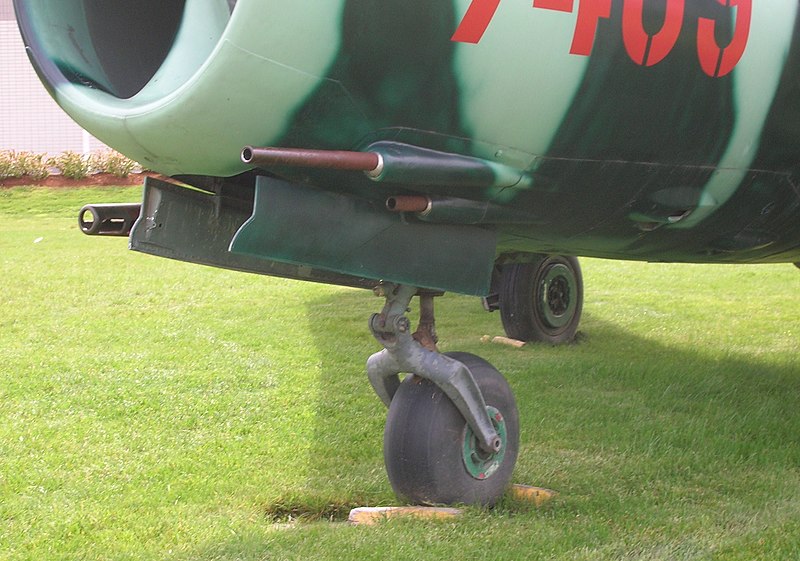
(432, 456)
(543, 300)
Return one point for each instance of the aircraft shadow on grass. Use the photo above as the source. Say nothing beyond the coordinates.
(677, 403)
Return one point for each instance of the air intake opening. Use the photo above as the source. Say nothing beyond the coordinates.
(132, 40)
(121, 47)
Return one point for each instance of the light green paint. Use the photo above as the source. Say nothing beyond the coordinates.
(268, 59)
(519, 82)
(202, 27)
(62, 29)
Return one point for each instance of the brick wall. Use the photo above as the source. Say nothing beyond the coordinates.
(29, 119)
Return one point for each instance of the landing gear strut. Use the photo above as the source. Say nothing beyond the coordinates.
(452, 432)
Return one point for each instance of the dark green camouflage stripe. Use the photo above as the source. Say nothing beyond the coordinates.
(394, 68)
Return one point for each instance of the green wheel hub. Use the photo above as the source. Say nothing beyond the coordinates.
(557, 296)
(480, 464)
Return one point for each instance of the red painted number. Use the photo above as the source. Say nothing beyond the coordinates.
(718, 61)
(589, 14)
(644, 49)
(476, 21)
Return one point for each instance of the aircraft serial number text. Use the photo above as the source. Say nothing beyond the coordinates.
(644, 49)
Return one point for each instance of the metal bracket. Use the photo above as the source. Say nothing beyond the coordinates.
(402, 353)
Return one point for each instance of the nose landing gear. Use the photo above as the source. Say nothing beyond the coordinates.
(452, 431)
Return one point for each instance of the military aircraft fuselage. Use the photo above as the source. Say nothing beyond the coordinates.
(663, 130)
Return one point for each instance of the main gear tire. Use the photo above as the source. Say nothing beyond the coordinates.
(542, 301)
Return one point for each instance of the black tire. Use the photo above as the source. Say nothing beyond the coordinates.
(425, 436)
(542, 301)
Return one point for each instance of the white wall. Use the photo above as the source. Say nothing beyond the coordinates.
(29, 119)
(6, 9)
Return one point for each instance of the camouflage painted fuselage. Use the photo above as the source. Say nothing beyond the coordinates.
(641, 129)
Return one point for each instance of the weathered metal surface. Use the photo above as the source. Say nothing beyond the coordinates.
(108, 219)
(296, 224)
(408, 203)
(197, 227)
(298, 157)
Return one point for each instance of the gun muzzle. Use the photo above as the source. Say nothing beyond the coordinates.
(108, 219)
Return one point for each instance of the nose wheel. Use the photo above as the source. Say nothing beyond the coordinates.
(432, 455)
(452, 431)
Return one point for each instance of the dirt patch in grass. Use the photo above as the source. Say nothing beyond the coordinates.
(296, 511)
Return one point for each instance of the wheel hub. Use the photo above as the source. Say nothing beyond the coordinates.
(480, 464)
(557, 296)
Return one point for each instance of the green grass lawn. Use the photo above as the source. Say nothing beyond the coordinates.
(152, 409)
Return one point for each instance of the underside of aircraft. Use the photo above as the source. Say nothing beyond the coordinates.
(413, 148)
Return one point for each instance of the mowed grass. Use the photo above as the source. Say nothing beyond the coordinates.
(152, 409)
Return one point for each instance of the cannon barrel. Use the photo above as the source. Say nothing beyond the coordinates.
(108, 219)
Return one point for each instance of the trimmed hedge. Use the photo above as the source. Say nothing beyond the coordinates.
(69, 164)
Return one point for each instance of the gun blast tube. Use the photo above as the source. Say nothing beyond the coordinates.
(108, 219)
